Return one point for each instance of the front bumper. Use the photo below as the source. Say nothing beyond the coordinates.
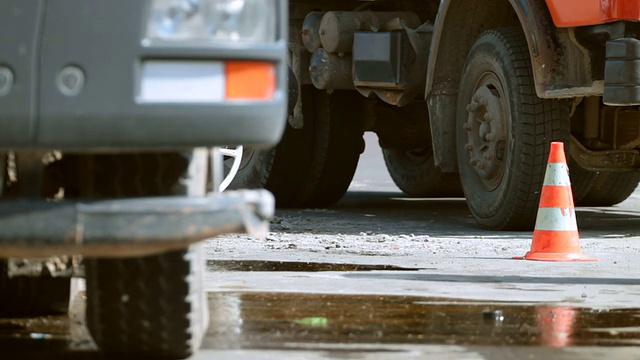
(102, 43)
(128, 227)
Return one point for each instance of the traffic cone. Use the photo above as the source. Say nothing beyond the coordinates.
(555, 237)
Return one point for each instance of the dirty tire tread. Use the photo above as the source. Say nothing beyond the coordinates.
(422, 179)
(610, 188)
(582, 181)
(404, 134)
(138, 306)
(284, 168)
(142, 307)
(541, 121)
(338, 143)
(288, 166)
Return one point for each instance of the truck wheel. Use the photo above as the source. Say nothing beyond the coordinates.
(405, 139)
(414, 172)
(338, 143)
(151, 306)
(504, 131)
(145, 306)
(312, 166)
(32, 296)
(581, 180)
(282, 169)
(610, 188)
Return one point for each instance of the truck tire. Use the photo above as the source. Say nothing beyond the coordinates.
(415, 173)
(32, 296)
(145, 306)
(282, 169)
(150, 306)
(504, 131)
(404, 135)
(312, 166)
(610, 188)
(581, 180)
(338, 143)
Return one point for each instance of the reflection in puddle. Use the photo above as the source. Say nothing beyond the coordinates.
(251, 265)
(277, 320)
(23, 333)
(62, 336)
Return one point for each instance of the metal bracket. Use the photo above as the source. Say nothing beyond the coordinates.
(604, 160)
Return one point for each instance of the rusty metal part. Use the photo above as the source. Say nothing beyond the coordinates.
(620, 127)
(561, 65)
(413, 45)
(311, 31)
(128, 227)
(604, 160)
(338, 27)
(456, 28)
(330, 71)
(487, 129)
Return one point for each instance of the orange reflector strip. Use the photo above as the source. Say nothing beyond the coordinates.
(250, 80)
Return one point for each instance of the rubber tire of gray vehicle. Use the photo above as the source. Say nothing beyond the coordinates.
(282, 169)
(32, 296)
(153, 306)
(415, 173)
(512, 203)
(148, 306)
(610, 188)
(338, 143)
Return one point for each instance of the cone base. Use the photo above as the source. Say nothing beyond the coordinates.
(558, 257)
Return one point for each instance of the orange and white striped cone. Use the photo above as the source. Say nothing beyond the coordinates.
(555, 237)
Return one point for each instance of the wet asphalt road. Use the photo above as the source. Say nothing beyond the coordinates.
(382, 277)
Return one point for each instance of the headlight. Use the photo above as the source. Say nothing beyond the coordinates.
(213, 20)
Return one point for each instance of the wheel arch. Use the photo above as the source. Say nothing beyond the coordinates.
(457, 26)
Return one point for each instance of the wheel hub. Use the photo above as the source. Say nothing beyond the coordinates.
(487, 130)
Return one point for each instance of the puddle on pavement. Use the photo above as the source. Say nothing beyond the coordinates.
(61, 336)
(251, 265)
(282, 320)
(23, 333)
